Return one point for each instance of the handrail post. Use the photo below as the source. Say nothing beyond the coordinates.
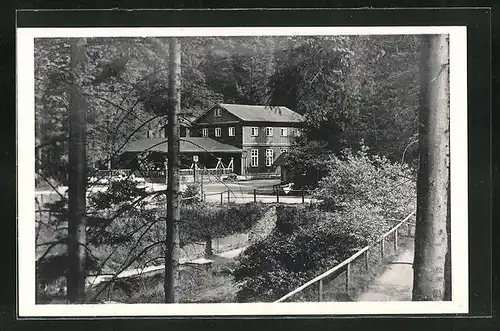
(277, 195)
(228, 197)
(347, 277)
(409, 229)
(254, 195)
(221, 197)
(320, 290)
(382, 248)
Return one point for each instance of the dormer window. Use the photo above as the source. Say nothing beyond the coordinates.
(218, 112)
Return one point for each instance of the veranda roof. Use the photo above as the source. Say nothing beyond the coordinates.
(187, 145)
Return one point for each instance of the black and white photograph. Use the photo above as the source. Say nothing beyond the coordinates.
(213, 171)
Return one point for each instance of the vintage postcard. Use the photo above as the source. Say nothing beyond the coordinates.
(242, 171)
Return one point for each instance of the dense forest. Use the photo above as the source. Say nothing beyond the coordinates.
(351, 89)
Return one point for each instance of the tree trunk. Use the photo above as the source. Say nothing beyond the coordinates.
(173, 196)
(77, 178)
(431, 237)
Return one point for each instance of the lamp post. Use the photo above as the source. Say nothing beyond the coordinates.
(195, 161)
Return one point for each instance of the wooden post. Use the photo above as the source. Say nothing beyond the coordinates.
(347, 277)
(228, 196)
(277, 194)
(320, 290)
(208, 246)
(221, 197)
(303, 195)
(173, 183)
(382, 243)
(254, 195)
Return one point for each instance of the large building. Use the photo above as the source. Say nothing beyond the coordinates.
(262, 133)
(242, 139)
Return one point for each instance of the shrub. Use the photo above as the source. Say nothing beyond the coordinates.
(308, 162)
(305, 242)
(356, 180)
(191, 194)
(358, 195)
(201, 220)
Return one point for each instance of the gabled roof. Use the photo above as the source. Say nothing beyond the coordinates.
(252, 113)
(187, 145)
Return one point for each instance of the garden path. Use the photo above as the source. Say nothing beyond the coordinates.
(396, 282)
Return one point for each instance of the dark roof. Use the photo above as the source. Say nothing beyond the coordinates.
(263, 113)
(281, 160)
(187, 145)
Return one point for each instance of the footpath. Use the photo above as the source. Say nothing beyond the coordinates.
(94, 280)
(396, 282)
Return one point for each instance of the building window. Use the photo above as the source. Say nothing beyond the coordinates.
(255, 132)
(231, 131)
(218, 132)
(269, 132)
(218, 112)
(149, 134)
(297, 132)
(284, 150)
(269, 157)
(254, 157)
(284, 132)
(204, 132)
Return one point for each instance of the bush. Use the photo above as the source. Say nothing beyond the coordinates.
(305, 242)
(308, 162)
(192, 193)
(356, 180)
(206, 219)
(358, 195)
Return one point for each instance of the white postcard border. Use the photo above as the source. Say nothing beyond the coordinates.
(26, 182)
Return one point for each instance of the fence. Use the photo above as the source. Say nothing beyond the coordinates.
(206, 173)
(259, 195)
(330, 287)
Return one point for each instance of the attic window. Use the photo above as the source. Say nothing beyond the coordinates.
(218, 112)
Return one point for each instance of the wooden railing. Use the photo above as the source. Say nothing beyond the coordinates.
(207, 172)
(345, 266)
